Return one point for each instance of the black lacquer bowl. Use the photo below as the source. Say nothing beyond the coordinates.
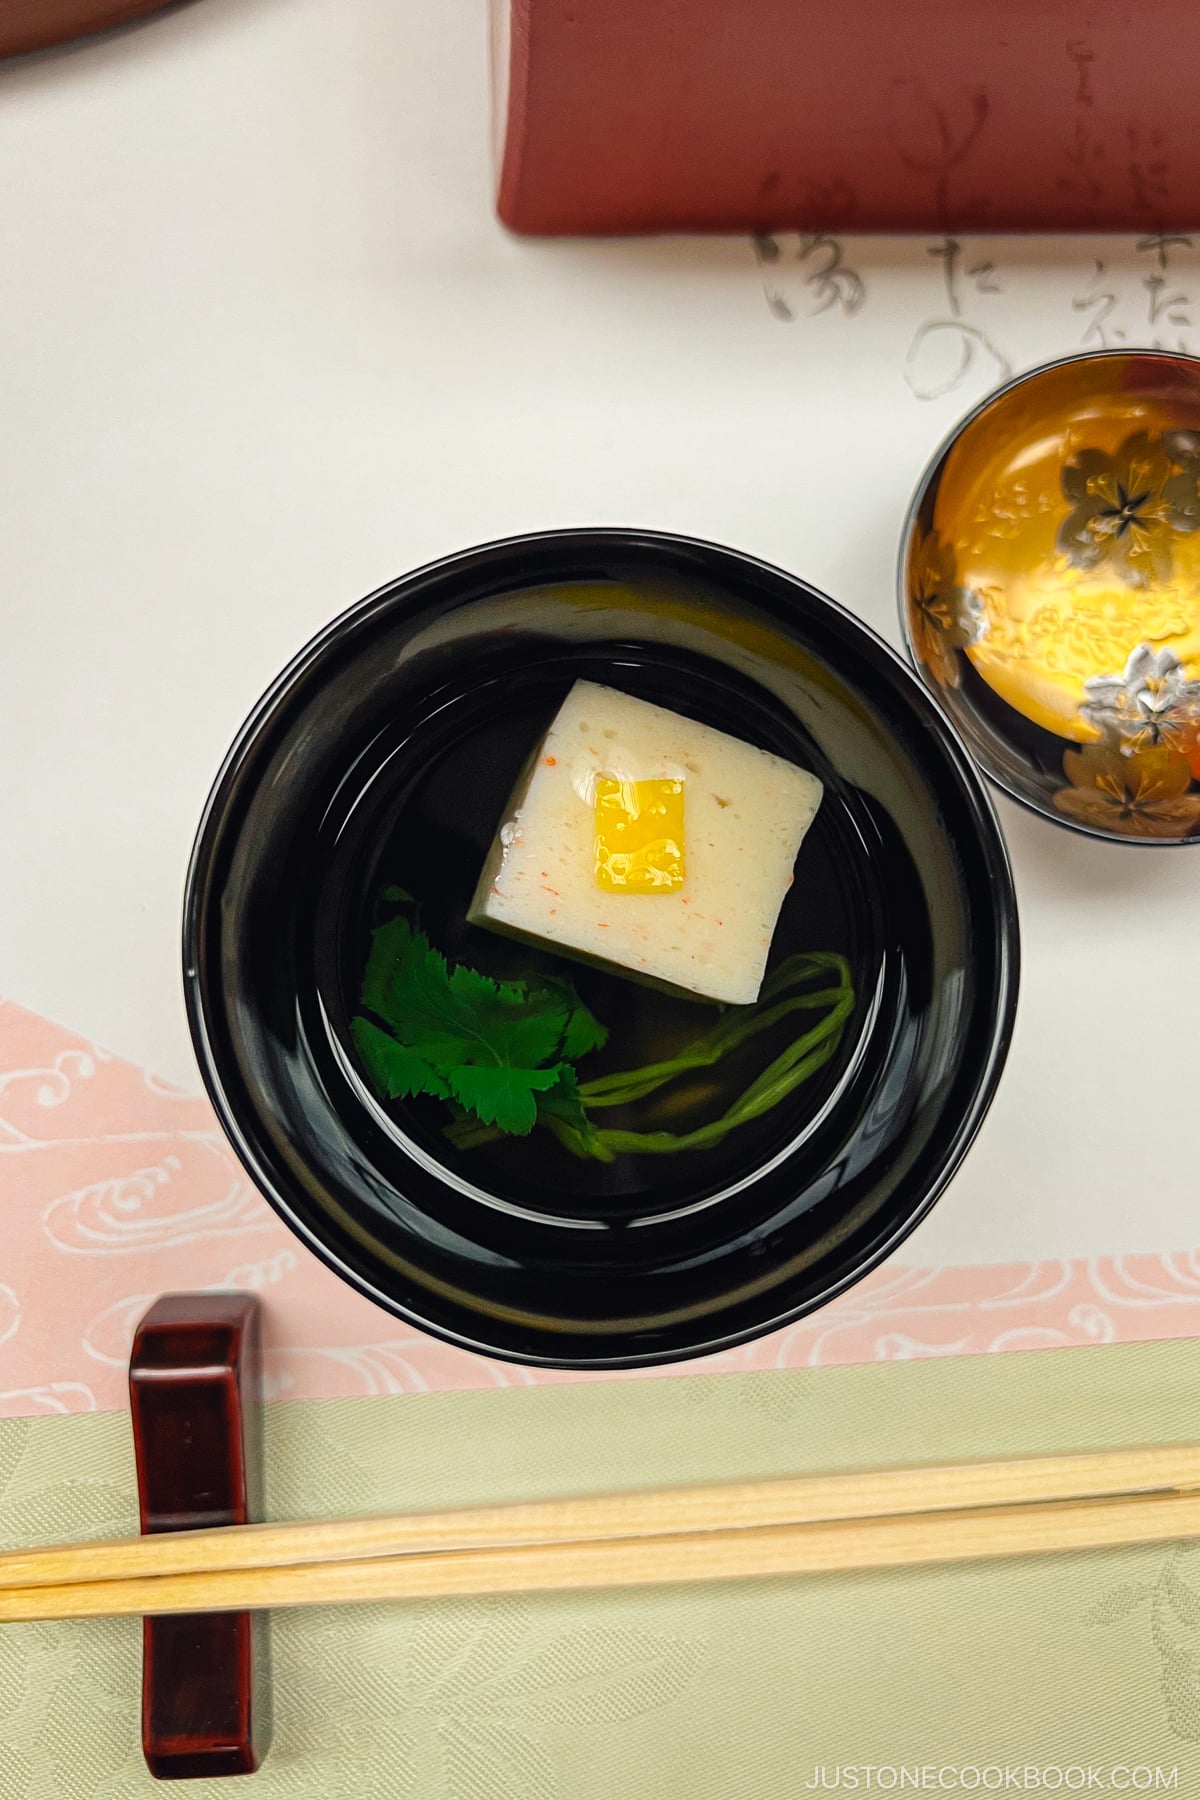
(535, 1257)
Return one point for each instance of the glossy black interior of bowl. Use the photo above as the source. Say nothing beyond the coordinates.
(420, 813)
(379, 724)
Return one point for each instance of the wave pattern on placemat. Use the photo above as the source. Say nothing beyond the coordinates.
(118, 1187)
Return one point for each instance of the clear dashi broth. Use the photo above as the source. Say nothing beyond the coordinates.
(433, 840)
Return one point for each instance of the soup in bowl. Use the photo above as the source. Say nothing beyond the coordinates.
(599, 949)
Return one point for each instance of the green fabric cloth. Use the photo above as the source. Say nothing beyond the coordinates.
(965, 1674)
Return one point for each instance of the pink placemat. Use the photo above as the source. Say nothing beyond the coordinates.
(116, 1187)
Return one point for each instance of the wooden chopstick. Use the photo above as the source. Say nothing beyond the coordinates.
(862, 1519)
(799, 1500)
(878, 1542)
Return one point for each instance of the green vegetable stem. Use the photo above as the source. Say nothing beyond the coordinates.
(502, 1055)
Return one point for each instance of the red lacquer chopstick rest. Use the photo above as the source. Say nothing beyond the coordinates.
(193, 1389)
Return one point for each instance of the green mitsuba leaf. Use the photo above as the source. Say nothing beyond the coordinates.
(491, 1047)
(396, 1070)
(502, 1096)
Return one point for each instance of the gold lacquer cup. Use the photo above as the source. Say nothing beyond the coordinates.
(1050, 591)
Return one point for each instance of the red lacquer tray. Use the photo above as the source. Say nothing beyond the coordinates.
(36, 24)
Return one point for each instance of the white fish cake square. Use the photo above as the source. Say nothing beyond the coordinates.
(641, 839)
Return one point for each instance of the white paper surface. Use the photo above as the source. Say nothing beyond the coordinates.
(263, 346)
